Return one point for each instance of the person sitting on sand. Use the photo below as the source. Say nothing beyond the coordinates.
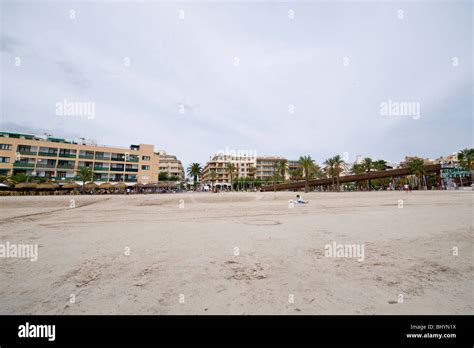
(300, 200)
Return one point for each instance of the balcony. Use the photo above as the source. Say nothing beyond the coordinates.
(45, 165)
(76, 178)
(133, 170)
(130, 180)
(116, 169)
(132, 160)
(101, 179)
(103, 158)
(28, 153)
(48, 154)
(23, 165)
(101, 168)
(117, 159)
(86, 156)
(67, 155)
(65, 166)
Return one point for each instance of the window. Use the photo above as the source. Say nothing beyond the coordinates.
(145, 167)
(146, 158)
(4, 159)
(5, 147)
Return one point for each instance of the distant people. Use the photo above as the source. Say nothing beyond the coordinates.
(300, 200)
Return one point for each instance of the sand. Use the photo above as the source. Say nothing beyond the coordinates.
(147, 254)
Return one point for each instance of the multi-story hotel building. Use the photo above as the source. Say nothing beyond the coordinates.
(408, 159)
(292, 166)
(60, 159)
(170, 164)
(448, 160)
(244, 167)
(266, 166)
(261, 168)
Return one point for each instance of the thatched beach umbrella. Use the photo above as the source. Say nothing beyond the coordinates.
(106, 185)
(26, 186)
(138, 185)
(71, 186)
(121, 185)
(90, 186)
(47, 186)
(167, 184)
(149, 185)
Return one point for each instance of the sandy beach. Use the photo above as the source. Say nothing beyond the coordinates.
(239, 253)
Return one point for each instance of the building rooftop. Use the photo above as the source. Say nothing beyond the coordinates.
(49, 138)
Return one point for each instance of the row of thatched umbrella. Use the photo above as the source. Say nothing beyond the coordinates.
(69, 185)
(87, 186)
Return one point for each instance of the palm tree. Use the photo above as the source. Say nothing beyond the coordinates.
(282, 167)
(466, 160)
(417, 167)
(84, 174)
(275, 175)
(380, 165)
(19, 178)
(307, 164)
(296, 174)
(212, 176)
(357, 168)
(194, 170)
(231, 168)
(330, 169)
(252, 171)
(368, 165)
(14, 179)
(339, 166)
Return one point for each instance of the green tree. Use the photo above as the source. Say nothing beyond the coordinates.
(466, 158)
(339, 167)
(357, 168)
(417, 167)
(380, 165)
(231, 169)
(329, 168)
(308, 166)
(275, 175)
(212, 176)
(84, 174)
(19, 178)
(282, 167)
(368, 165)
(194, 170)
(163, 176)
(252, 171)
(296, 174)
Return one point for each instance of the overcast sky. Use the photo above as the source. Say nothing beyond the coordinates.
(236, 68)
